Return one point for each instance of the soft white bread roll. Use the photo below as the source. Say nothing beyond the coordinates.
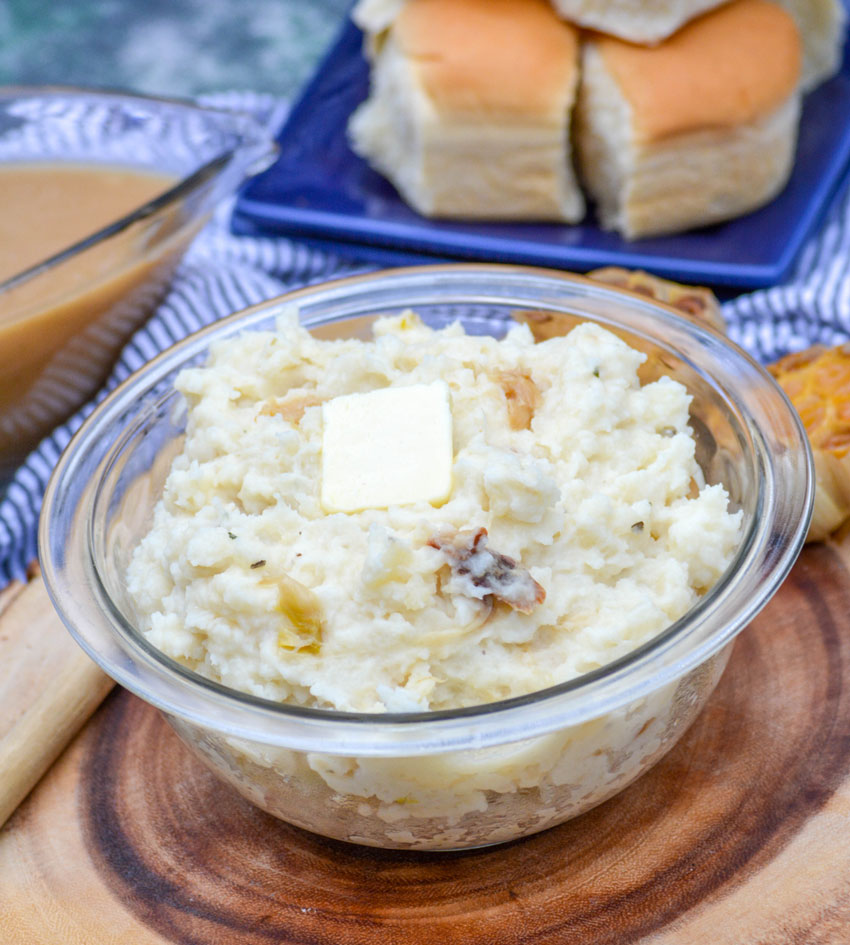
(639, 21)
(698, 129)
(374, 17)
(469, 110)
(822, 25)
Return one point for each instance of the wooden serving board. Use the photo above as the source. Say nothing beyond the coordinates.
(741, 835)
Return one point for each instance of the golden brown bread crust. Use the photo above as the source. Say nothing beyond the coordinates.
(726, 68)
(817, 382)
(490, 57)
(697, 303)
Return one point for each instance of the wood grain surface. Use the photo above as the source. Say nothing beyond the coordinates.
(741, 835)
(48, 689)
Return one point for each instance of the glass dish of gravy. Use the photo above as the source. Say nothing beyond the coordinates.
(101, 193)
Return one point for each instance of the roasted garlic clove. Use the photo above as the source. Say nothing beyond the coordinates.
(302, 613)
(291, 408)
(522, 396)
(486, 573)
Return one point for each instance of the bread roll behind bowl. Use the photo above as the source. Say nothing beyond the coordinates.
(638, 21)
(374, 17)
(817, 382)
(469, 109)
(698, 129)
(822, 25)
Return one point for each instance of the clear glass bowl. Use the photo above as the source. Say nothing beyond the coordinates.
(448, 779)
(63, 321)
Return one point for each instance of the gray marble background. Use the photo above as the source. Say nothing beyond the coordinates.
(167, 47)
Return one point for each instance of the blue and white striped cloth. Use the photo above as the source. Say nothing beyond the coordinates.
(223, 273)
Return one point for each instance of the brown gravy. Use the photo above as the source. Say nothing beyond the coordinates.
(61, 328)
(48, 207)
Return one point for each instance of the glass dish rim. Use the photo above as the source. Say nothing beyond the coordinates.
(249, 129)
(397, 726)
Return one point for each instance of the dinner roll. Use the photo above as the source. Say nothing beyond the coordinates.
(639, 21)
(698, 129)
(822, 26)
(374, 17)
(469, 109)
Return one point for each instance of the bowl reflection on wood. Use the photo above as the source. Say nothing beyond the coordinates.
(454, 778)
(65, 312)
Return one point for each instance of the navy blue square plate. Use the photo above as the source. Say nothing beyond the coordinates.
(319, 191)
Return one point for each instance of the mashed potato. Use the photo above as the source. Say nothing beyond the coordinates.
(577, 527)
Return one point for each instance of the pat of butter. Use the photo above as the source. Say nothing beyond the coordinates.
(391, 446)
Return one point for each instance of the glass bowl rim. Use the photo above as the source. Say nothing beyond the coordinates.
(504, 720)
(250, 131)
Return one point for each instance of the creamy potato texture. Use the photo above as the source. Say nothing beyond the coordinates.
(600, 530)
